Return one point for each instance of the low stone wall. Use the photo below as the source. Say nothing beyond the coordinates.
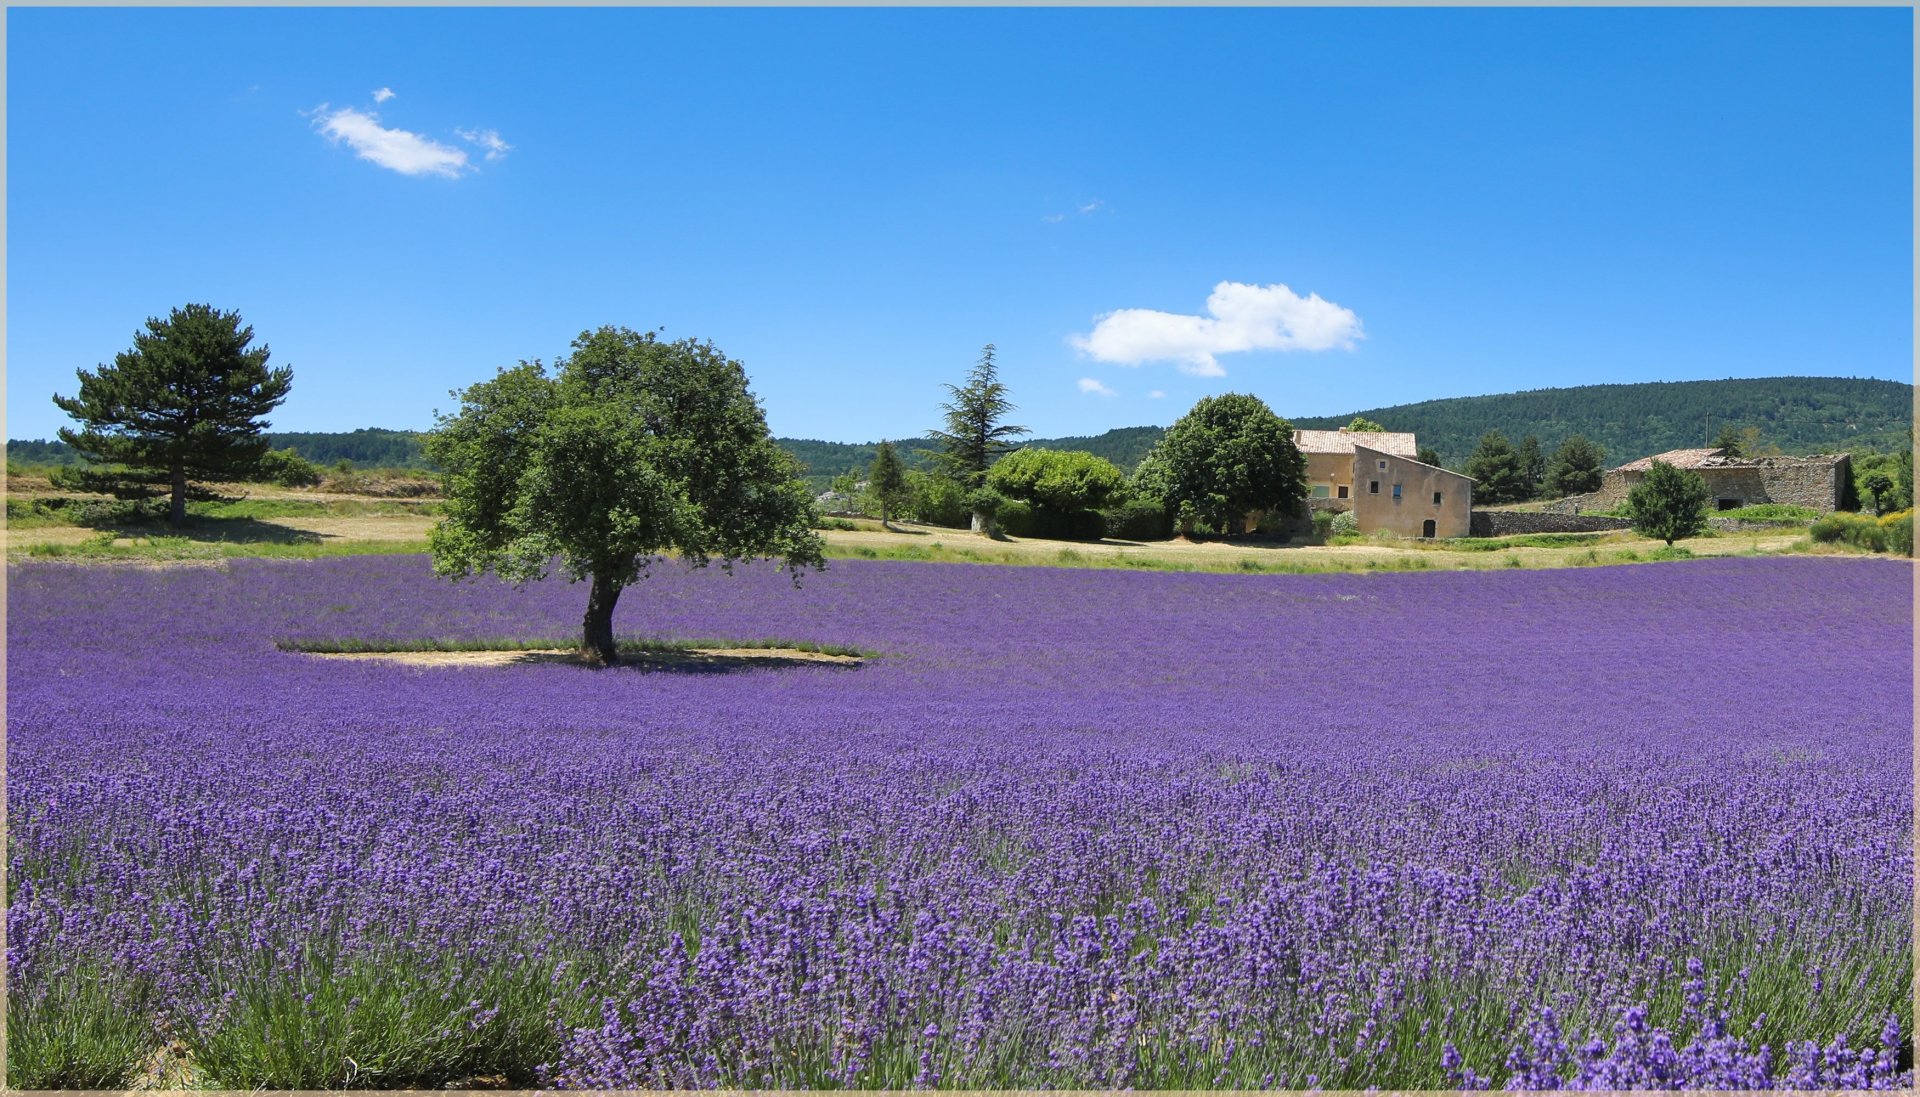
(1506, 523)
(1576, 504)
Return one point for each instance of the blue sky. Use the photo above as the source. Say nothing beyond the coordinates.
(1332, 209)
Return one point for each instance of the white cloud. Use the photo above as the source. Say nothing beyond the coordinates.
(1156, 394)
(1241, 317)
(1088, 384)
(1090, 207)
(383, 95)
(486, 139)
(399, 150)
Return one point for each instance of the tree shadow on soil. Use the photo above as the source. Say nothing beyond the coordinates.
(212, 531)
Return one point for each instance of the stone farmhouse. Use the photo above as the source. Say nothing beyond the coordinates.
(1375, 474)
(1818, 482)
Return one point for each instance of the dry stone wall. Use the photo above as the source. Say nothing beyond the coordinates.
(1506, 523)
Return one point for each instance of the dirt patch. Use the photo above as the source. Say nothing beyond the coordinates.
(692, 658)
(370, 527)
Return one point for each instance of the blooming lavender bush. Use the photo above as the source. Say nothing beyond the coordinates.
(1609, 828)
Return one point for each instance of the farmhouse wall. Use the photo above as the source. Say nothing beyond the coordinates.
(1408, 514)
(1332, 471)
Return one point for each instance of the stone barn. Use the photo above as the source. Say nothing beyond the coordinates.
(1818, 482)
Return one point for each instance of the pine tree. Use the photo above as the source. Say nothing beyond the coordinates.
(1729, 440)
(184, 404)
(887, 479)
(1533, 465)
(974, 436)
(1574, 468)
(1496, 470)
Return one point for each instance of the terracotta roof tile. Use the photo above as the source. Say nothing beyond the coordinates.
(1341, 441)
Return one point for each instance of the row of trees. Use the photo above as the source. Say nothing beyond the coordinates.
(1229, 456)
(1506, 473)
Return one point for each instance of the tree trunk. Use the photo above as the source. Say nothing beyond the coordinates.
(884, 523)
(177, 506)
(599, 621)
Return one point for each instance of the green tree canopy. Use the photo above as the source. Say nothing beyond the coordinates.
(1362, 423)
(1058, 480)
(184, 403)
(1429, 456)
(1230, 455)
(1574, 468)
(887, 479)
(1497, 471)
(1669, 503)
(631, 448)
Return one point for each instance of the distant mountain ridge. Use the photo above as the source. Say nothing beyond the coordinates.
(1797, 414)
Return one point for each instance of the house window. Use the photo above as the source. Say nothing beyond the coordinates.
(1343, 491)
(1383, 464)
(1373, 487)
(1436, 498)
(1320, 491)
(1396, 493)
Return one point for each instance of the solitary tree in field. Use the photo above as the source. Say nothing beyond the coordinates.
(1574, 468)
(1227, 457)
(887, 479)
(975, 436)
(1669, 503)
(629, 449)
(1499, 476)
(183, 404)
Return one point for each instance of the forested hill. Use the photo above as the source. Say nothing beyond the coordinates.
(1797, 414)
(368, 447)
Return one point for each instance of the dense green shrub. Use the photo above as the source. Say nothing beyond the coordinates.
(288, 469)
(1897, 529)
(1014, 517)
(1669, 503)
(1343, 524)
(1080, 525)
(937, 500)
(1139, 520)
(1019, 518)
(1859, 530)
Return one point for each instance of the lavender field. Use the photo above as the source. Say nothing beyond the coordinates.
(1629, 827)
